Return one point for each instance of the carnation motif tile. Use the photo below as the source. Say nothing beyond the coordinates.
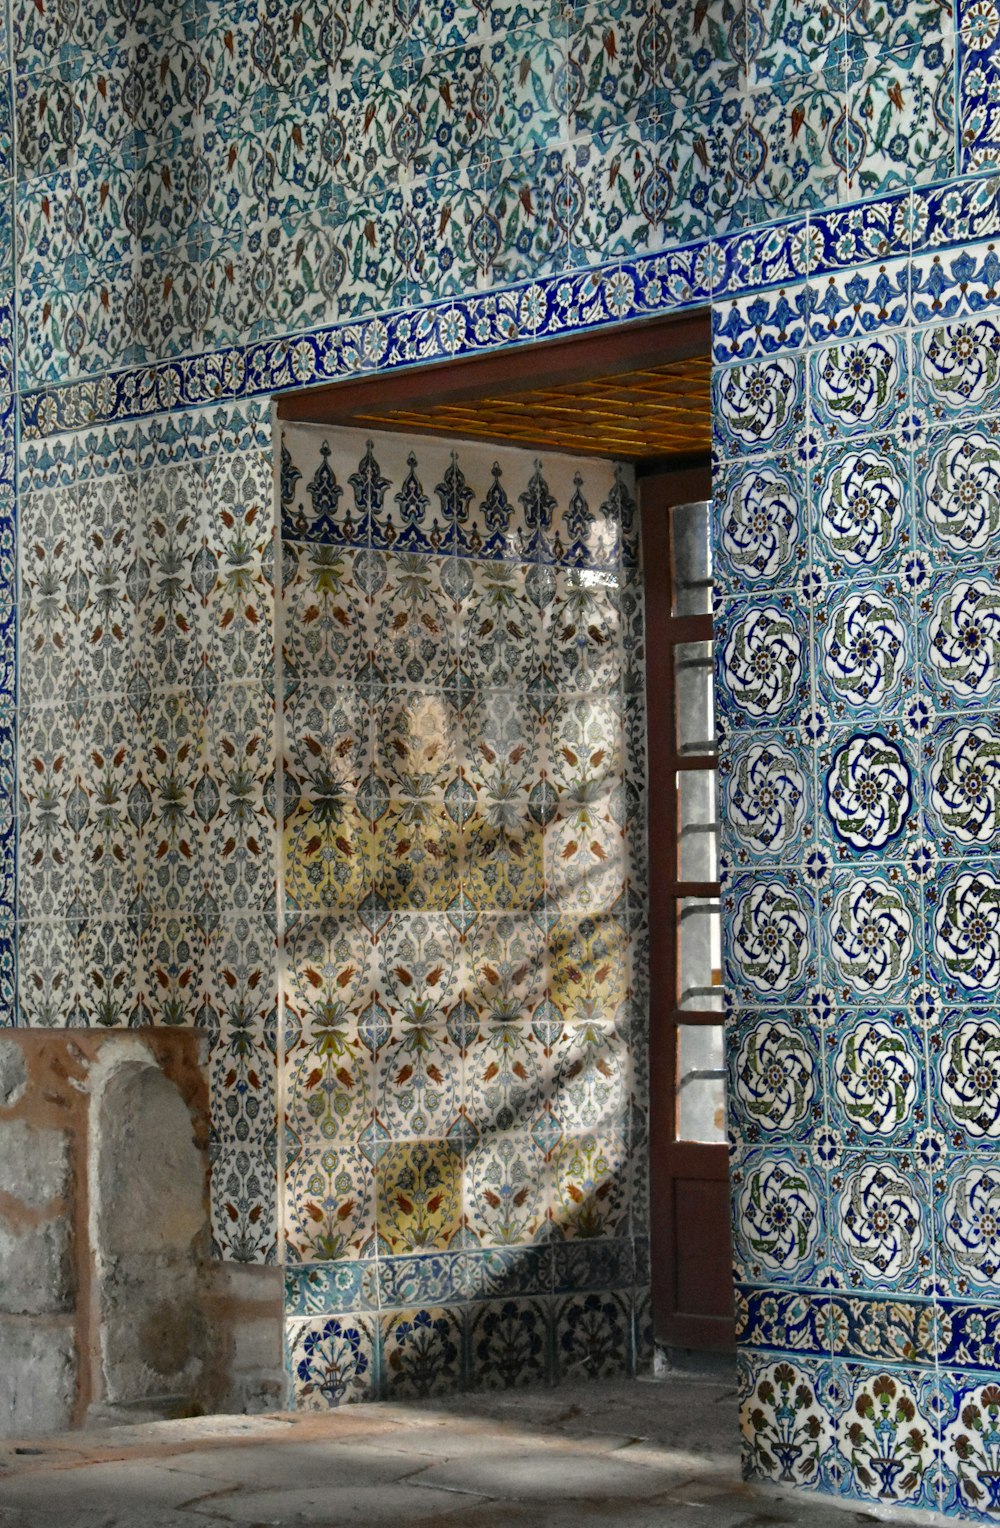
(593, 1335)
(510, 1344)
(423, 1352)
(786, 1419)
(885, 1434)
(332, 1360)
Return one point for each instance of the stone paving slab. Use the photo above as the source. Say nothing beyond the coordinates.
(617, 1455)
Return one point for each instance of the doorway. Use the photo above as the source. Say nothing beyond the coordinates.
(638, 397)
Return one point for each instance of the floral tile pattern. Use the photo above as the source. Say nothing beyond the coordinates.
(403, 183)
(456, 987)
(859, 832)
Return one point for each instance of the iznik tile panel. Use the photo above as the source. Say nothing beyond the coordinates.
(391, 183)
(461, 885)
(858, 671)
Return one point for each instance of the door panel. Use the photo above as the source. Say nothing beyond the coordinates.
(689, 1179)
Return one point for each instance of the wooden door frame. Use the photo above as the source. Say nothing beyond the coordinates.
(688, 1160)
(540, 362)
(535, 362)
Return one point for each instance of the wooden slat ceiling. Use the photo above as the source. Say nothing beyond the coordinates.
(650, 412)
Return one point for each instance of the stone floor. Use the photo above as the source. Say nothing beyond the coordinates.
(629, 1454)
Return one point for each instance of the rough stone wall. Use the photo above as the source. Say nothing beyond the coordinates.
(104, 1298)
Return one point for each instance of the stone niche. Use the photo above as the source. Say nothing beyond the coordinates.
(111, 1307)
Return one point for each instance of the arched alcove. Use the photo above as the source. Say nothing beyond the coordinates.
(150, 1237)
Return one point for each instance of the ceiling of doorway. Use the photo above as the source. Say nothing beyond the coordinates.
(634, 394)
(659, 412)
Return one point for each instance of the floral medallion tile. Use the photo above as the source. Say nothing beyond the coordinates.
(880, 1222)
(869, 784)
(865, 663)
(766, 780)
(962, 785)
(876, 1078)
(861, 508)
(957, 367)
(871, 935)
(859, 385)
(762, 662)
(967, 1201)
(758, 406)
(965, 1071)
(769, 938)
(763, 540)
(779, 1215)
(960, 658)
(963, 931)
(775, 1077)
(958, 511)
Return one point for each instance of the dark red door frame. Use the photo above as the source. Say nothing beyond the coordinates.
(689, 1196)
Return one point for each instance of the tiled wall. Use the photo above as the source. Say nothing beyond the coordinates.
(219, 173)
(188, 185)
(146, 891)
(858, 656)
(464, 1086)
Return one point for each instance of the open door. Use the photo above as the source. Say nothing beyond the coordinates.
(690, 1228)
